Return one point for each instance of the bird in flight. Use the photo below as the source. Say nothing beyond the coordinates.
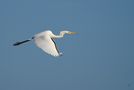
(45, 41)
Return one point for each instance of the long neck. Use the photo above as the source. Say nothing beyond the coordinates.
(59, 36)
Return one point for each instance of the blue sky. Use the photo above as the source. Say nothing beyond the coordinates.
(99, 57)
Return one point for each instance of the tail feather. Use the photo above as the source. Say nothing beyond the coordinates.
(21, 42)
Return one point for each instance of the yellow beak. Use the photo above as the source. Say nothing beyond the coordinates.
(72, 33)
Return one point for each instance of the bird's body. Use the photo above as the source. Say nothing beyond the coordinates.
(45, 41)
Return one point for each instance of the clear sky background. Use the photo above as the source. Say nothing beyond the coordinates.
(99, 57)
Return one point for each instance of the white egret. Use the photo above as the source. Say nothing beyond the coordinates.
(45, 41)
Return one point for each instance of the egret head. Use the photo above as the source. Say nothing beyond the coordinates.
(67, 32)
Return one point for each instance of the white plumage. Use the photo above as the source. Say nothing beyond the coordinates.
(45, 41)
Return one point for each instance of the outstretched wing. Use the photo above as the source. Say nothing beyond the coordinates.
(47, 45)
